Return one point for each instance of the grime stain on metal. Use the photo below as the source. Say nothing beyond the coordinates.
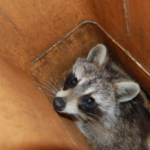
(10, 21)
(127, 17)
(91, 22)
(103, 10)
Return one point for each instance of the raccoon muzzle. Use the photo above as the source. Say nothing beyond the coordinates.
(59, 104)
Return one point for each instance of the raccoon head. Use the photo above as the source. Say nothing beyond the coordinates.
(88, 93)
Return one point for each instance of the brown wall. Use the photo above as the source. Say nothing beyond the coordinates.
(28, 29)
(27, 121)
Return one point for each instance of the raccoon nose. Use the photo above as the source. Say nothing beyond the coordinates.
(59, 103)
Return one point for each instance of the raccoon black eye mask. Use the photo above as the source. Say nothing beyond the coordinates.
(87, 103)
(107, 103)
(70, 82)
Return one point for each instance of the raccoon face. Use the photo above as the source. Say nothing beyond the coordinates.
(87, 92)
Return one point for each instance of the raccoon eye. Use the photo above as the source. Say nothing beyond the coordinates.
(73, 82)
(90, 100)
(70, 82)
(87, 103)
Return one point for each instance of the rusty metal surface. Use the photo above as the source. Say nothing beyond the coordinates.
(27, 120)
(29, 28)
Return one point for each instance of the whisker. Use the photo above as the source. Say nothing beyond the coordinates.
(54, 82)
(55, 86)
(48, 89)
(60, 85)
(49, 84)
(92, 114)
(71, 116)
(52, 95)
(91, 124)
(52, 86)
(49, 95)
(85, 115)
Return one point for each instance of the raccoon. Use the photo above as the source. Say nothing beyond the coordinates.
(108, 104)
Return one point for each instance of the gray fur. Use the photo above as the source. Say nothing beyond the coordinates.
(116, 122)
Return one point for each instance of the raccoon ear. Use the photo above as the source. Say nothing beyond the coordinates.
(98, 54)
(126, 91)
